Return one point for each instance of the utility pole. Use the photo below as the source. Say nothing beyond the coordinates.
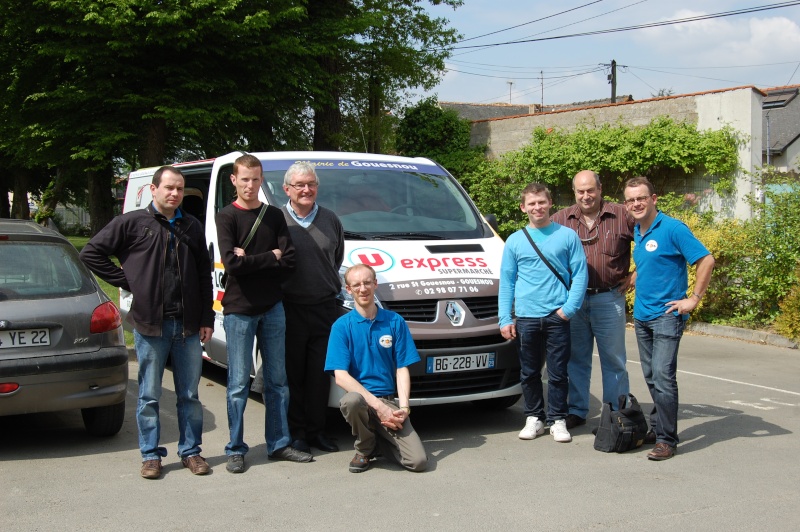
(510, 83)
(613, 81)
(541, 76)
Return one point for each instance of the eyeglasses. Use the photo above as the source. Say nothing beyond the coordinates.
(634, 201)
(301, 186)
(365, 284)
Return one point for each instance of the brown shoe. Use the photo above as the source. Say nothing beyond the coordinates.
(650, 437)
(151, 469)
(661, 451)
(359, 463)
(196, 464)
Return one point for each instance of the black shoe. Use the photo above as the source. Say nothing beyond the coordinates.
(323, 443)
(235, 463)
(291, 454)
(301, 445)
(650, 437)
(574, 421)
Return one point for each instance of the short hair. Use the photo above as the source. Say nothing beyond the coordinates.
(246, 161)
(535, 188)
(158, 173)
(360, 266)
(639, 181)
(299, 169)
(596, 178)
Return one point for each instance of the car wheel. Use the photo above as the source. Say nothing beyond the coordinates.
(498, 403)
(104, 421)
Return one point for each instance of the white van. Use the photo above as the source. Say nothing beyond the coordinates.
(437, 260)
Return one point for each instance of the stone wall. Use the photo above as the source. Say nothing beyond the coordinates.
(738, 107)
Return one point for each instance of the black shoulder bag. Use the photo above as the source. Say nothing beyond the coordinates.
(223, 281)
(541, 256)
(621, 430)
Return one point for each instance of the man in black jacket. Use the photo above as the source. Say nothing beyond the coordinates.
(165, 264)
(253, 310)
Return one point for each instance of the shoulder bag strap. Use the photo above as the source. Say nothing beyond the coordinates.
(255, 226)
(541, 256)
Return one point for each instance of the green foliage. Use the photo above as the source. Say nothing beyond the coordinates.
(757, 259)
(426, 130)
(788, 321)
(617, 152)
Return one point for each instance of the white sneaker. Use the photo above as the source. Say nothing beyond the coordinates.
(533, 428)
(560, 432)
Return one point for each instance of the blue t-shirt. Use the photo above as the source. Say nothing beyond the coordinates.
(527, 282)
(661, 256)
(371, 351)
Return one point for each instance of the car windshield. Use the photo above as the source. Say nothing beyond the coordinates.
(378, 203)
(40, 270)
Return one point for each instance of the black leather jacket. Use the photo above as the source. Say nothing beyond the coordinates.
(139, 240)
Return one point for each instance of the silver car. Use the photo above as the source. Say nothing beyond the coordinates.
(61, 340)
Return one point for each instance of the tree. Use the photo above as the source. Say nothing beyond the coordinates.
(427, 130)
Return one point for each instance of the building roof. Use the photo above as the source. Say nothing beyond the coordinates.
(482, 111)
(781, 118)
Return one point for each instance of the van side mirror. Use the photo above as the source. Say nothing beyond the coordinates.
(491, 219)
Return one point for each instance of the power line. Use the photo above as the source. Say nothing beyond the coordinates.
(530, 22)
(640, 26)
(517, 77)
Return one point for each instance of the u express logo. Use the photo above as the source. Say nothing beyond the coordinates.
(382, 261)
(377, 258)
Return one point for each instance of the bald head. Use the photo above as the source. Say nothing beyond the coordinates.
(588, 191)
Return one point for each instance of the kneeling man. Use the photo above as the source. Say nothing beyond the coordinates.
(369, 352)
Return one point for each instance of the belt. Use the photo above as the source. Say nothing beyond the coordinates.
(387, 397)
(594, 291)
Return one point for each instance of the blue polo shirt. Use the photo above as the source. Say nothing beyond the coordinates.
(661, 256)
(371, 351)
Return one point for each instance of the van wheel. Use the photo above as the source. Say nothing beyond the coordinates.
(498, 403)
(104, 421)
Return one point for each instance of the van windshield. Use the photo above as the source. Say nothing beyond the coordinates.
(377, 203)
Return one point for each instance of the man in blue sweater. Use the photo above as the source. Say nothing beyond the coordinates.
(545, 289)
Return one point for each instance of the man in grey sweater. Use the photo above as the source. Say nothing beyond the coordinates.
(310, 305)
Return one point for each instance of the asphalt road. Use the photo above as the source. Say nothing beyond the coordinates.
(736, 468)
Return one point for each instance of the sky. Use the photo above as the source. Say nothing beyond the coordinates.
(758, 48)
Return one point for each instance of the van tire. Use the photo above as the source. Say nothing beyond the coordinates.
(104, 421)
(498, 403)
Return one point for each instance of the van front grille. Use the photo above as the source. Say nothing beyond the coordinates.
(469, 382)
(424, 310)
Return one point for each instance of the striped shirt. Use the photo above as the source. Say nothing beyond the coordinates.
(607, 244)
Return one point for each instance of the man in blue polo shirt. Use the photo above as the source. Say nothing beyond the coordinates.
(663, 247)
(369, 351)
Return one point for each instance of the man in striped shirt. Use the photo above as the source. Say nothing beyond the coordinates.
(606, 232)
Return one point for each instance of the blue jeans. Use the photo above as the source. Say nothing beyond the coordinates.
(269, 332)
(544, 340)
(658, 341)
(187, 366)
(600, 319)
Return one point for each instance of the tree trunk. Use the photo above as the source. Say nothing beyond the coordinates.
(101, 202)
(374, 140)
(19, 207)
(54, 197)
(5, 204)
(327, 114)
(154, 144)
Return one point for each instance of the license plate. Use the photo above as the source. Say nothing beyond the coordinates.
(447, 364)
(24, 338)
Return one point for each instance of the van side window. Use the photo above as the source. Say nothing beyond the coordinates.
(226, 192)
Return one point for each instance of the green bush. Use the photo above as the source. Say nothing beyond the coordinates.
(788, 321)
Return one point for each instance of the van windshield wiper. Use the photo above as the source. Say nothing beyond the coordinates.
(355, 236)
(405, 236)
